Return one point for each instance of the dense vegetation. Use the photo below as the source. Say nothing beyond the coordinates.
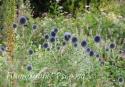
(73, 43)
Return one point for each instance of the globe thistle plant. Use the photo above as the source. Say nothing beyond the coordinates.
(2, 48)
(29, 67)
(91, 53)
(121, 80)
(84, 43)
(74, 39)
(55, 30)
(22, 20)
(45, 45)
(53, 34)
(46, 36)
(30, 51)
(67, 36)
(14, 25)
(97, 38)
(34, 26)
(52, 39)
(112, 45)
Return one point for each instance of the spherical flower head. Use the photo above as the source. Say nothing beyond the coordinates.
(14, 25)
(84, 43)
(46, 36)
(67, 36)
(88, 50)
(30, 51)
(2, 48)
(112, 45)
(34, 26)
(29, 67)
(45, 45)
(53, 34)
(55, 30)
(74, 39)
(97, 39)
(22, 20)
(52, 39)
(91, 53)
(120, 79)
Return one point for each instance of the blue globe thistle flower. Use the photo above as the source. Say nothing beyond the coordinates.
(67, 36)
(91, 53)
(97, 39)
(14, 25)
(46, 36)
(55, 30)
(2, 48)
(29, 67)
(88, 50)
(45, 45)
(34, 26)
(53, 34)
(120, 79)
(52, 39)
(84, 43)
(112, 45)
(74, 39)
(22, 20)
(30, 51)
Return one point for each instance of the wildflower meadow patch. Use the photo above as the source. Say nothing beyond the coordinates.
(84, 48)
